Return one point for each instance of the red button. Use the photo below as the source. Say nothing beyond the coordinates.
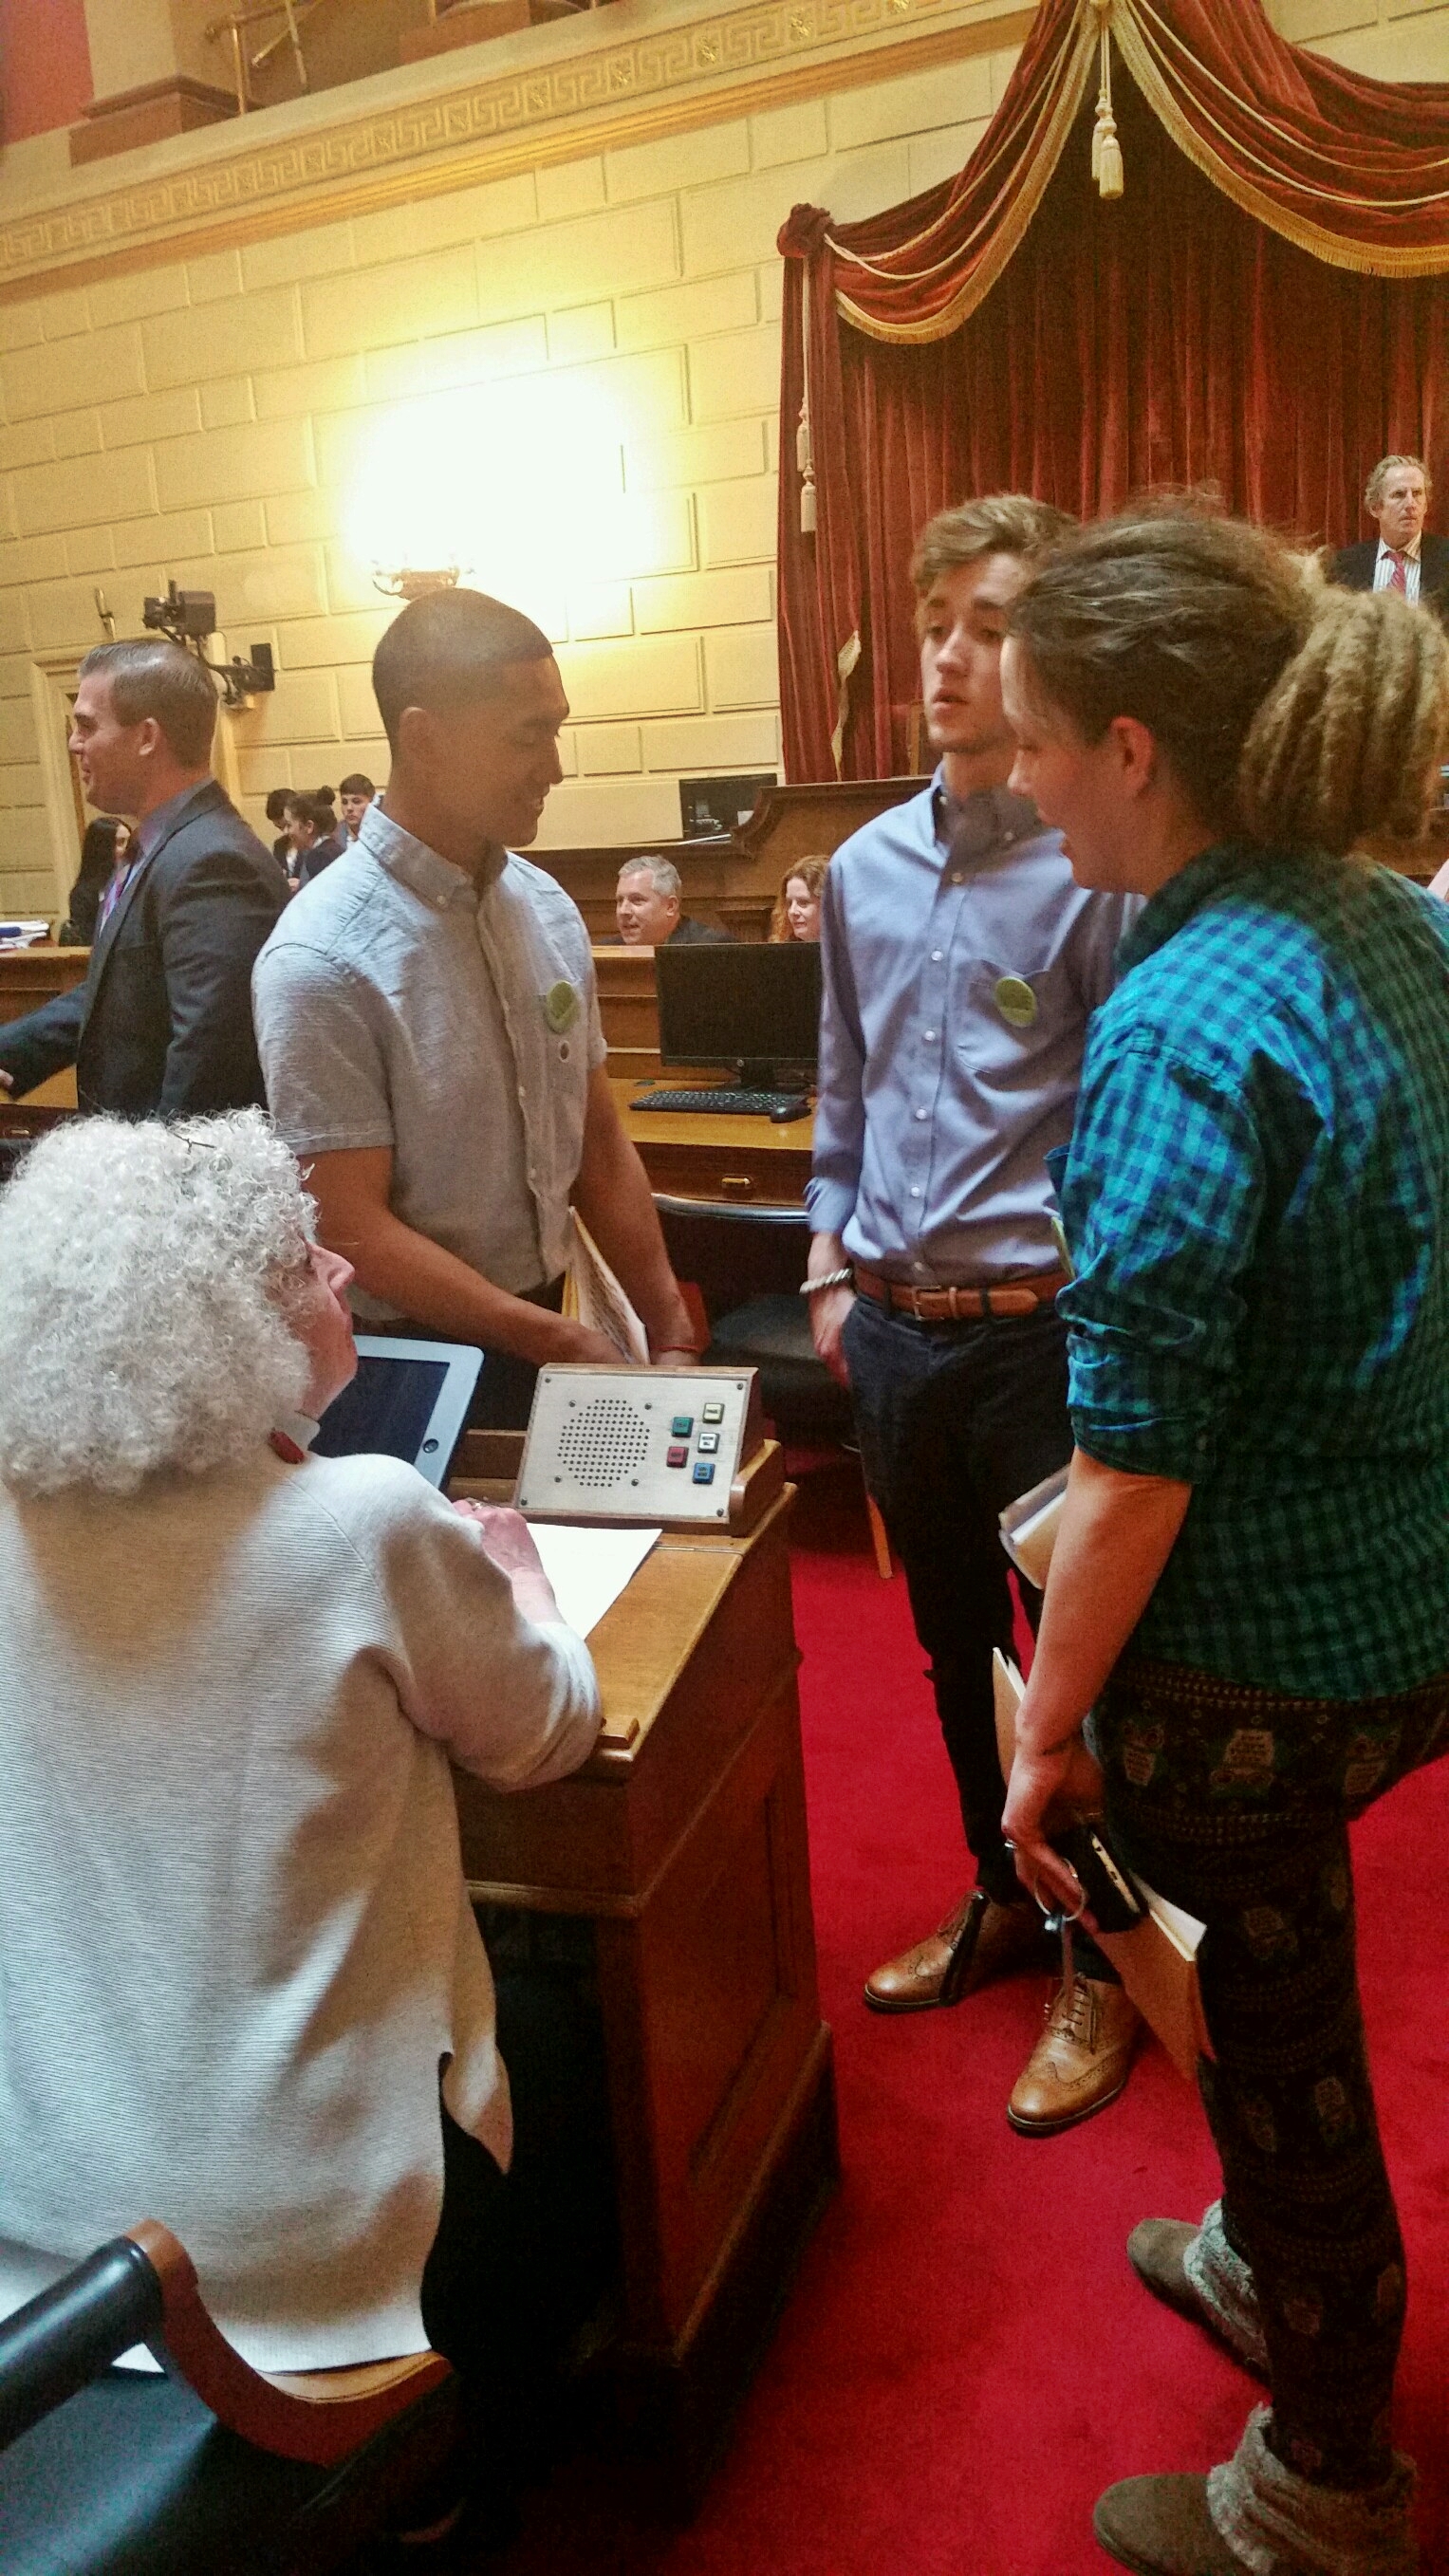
(678, 1456)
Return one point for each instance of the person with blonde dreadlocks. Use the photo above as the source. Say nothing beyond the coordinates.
(1249, 1597)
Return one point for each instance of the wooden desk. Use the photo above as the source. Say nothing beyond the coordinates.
(683, 1844)
(721, 1164)
(28, 977)
(731, 1199)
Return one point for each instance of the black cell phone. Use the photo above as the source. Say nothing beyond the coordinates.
(1113, 1901)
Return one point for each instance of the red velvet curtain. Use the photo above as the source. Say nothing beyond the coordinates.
(1166, 337)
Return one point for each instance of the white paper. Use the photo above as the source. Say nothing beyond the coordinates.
(589, 1568)
(1029, 1527)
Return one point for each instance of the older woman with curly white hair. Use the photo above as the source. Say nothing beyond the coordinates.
(236, 1936)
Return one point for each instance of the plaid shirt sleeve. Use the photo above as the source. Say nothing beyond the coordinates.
(1161, 1204)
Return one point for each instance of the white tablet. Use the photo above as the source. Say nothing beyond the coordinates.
(408, 1400)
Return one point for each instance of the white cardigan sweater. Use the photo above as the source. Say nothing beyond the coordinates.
(235, 1941)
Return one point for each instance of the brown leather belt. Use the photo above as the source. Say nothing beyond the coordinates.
(960, 1305)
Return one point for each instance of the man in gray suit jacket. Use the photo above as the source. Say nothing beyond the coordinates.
(162, 1025)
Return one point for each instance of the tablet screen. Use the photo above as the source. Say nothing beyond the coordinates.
(385, 1412)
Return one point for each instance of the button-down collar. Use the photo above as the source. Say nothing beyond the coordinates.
(417, 866)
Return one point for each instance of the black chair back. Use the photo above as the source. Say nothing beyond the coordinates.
(57, 2343)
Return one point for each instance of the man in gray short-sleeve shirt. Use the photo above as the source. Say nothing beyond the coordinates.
(429, 1028)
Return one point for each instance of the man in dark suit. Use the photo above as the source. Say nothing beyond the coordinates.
(162, 1025)
(1401, 557)
(646, 908)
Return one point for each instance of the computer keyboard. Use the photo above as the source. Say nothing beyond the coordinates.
(709, 1102)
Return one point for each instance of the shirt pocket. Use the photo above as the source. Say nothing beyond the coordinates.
(1010, 1014)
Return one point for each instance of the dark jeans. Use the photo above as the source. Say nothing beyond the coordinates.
(955, 1421)
(521, 2259)
(503, 1396)
(1234, 1803)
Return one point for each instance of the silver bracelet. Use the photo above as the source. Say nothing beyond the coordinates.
(830, 1279)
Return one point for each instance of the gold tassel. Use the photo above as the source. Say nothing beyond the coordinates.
(805, 465)
(1107, 170)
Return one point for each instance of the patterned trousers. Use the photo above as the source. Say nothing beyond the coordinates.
(1234, 1803)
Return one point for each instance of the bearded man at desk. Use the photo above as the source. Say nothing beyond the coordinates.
(429, 1027)
(961, 963)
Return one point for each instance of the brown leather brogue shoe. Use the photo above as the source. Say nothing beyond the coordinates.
(1080, 2062)
(979, 1941)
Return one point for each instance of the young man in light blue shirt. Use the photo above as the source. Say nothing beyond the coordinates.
(961, 964)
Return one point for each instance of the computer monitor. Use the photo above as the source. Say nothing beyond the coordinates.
(754, 1009)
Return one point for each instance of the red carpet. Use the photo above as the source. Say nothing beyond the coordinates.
(967, 2358)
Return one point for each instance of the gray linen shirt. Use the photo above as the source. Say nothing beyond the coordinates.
(961, 962)
(396, 1006)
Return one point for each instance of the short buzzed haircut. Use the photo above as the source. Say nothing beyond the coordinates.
(663, 875)
(446, 650)
(1002, 523)
(1374, 489)
(154, 678)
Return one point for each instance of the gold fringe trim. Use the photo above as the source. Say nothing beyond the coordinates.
(1056, 124)
(1142, 59)
(1393, 260)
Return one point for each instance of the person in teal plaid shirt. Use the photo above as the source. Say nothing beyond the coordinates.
(1250, 1590)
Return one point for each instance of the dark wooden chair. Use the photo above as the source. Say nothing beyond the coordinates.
(797, 1390)
(209, 2468)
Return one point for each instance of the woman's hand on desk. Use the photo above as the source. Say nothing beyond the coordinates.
(508, 1540)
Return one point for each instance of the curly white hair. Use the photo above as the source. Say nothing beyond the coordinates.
(144, 1282)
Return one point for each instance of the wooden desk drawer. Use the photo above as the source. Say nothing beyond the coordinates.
(735, 1175)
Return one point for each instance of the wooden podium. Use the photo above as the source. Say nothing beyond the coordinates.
(682, 1843)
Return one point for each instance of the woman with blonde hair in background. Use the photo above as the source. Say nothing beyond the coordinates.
(797, 905)
(1249, 1598)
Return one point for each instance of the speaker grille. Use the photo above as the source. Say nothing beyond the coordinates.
(602, 1441)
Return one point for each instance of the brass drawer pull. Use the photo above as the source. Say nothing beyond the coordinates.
(737, 1185)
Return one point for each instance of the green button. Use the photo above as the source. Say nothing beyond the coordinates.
(681, 1427)
(1016, 1001)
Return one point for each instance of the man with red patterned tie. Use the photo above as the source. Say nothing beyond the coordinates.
(1403, 559)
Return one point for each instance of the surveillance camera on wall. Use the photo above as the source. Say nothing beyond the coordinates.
(188, 617)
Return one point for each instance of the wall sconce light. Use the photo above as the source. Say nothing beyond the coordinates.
(409, 581)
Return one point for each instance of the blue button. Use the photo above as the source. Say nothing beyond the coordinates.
(704, 1471)
(681, 1427)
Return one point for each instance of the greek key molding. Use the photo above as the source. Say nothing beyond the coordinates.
(722, 65)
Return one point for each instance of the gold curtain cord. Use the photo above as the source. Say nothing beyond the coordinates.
(1168, 41)
(893, 276)
(1053, 127)
(1147, 46)
(1336, 249)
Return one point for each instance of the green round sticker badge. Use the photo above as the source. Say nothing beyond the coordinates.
(1015, 1001)
(560, 1007)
